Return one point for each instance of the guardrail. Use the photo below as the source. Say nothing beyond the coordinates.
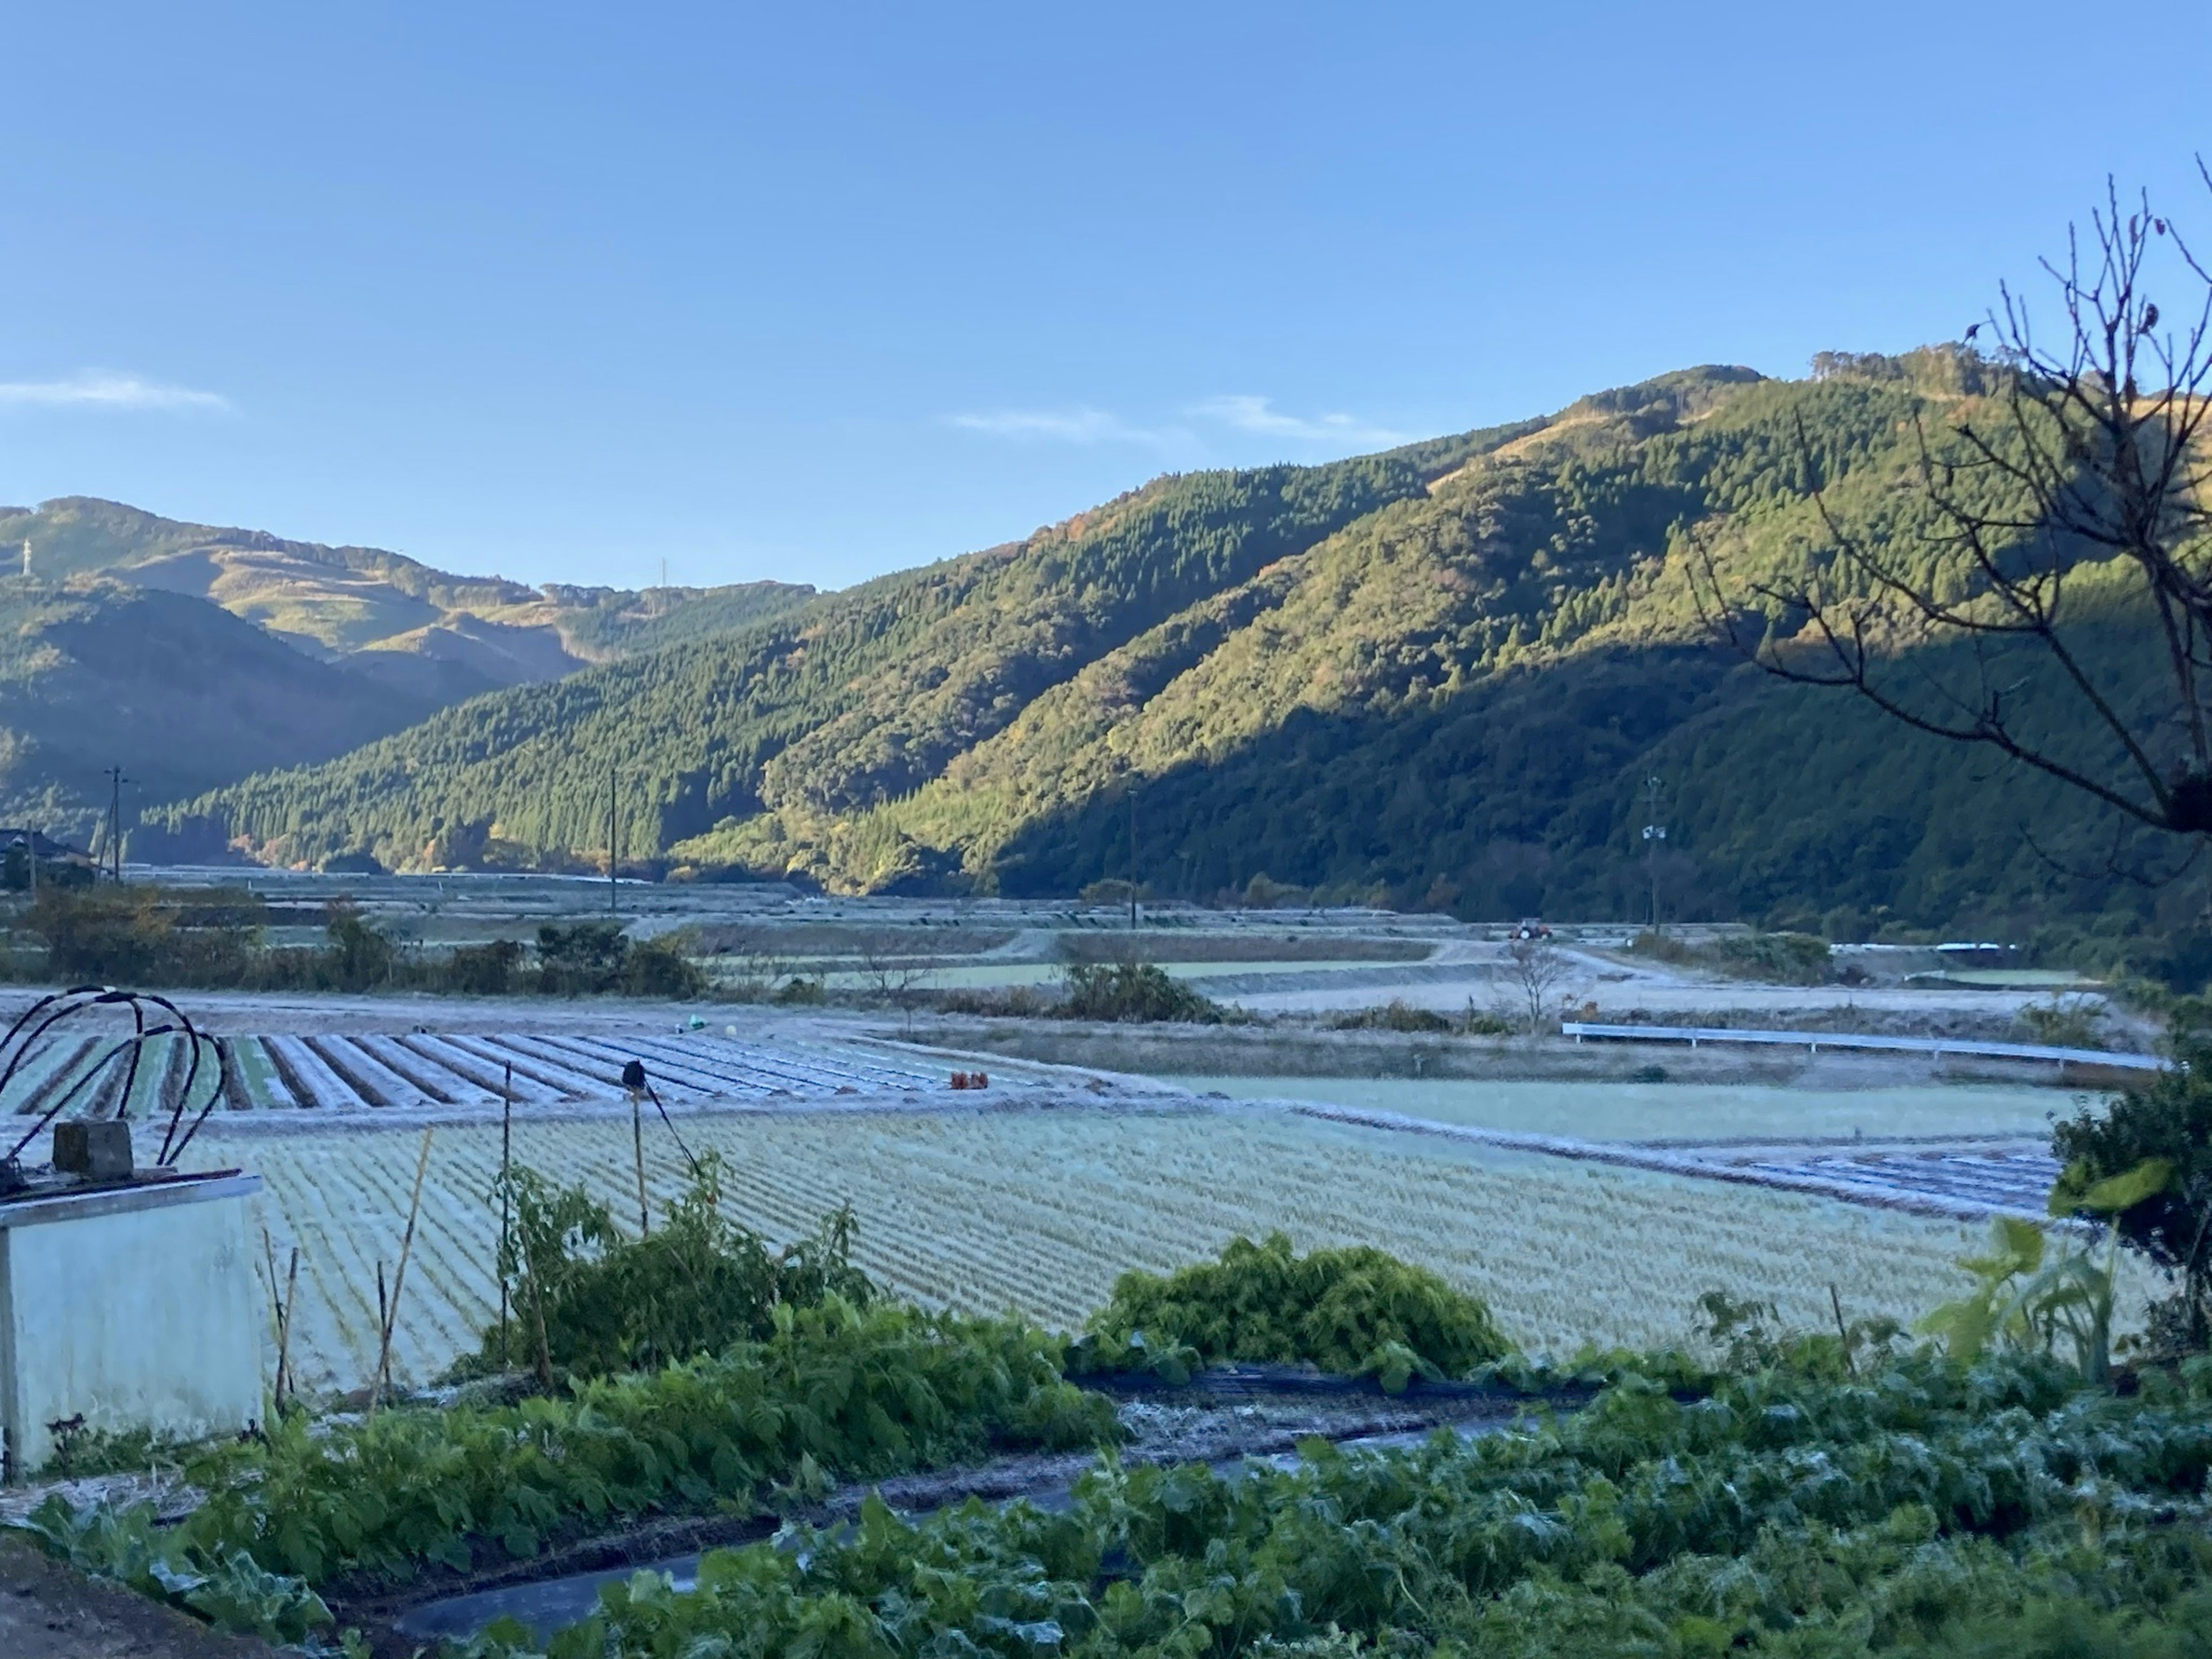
(1816, 1041)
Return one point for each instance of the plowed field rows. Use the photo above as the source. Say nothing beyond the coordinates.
(1038, 1211)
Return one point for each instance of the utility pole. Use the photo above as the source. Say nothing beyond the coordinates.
(1132, 852)
(116, 780)
(1653, 833)
(27, 558)
(614, 853)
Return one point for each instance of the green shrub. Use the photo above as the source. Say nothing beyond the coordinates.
(1397, 1015)
(1354, 1312)
(833, 1392)
(659, 968)
(2063, 1022)
(136, 935)
(2168, 1120)
(1781, 959)
(590, 1300)
(580, 958)
(1133, 991)
(1925, 1511)
(493, 970)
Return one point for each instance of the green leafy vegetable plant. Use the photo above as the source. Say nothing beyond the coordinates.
(1356, 1312)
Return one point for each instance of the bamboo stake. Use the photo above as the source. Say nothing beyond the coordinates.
(399, 1278)
(506, 1200)
(637, 1141)
(277, 1304)
(1842, 1331)
(544, 1347)
(285, 1386)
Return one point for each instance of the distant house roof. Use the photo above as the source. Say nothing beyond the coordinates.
(42, 844)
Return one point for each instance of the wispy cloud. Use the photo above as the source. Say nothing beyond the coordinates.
(1250, 413)
(107, 388)
(1079, 425)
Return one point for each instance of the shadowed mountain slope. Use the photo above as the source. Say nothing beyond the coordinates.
(179, 693)
(1440, 675)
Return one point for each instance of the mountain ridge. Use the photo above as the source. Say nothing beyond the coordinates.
(1439, 675)
(431, 632)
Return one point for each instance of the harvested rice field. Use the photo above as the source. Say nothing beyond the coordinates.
(1038, 1209)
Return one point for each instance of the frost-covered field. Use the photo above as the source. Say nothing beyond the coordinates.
(1038, 1210)
(1675, 1111)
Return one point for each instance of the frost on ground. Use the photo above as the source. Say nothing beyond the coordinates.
(1038, 1210)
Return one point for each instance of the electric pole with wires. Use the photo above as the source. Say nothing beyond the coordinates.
(116, 781)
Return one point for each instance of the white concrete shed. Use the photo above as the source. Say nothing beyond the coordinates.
(128, 1306)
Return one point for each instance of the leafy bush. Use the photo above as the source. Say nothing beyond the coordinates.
(1926, 1510)
(124, 935)
(1356, 1312)
(844, 1392)
(492, 969)
(590, 1300)
(2168, 1121)
(1133, 991)
(659, 968)
(1396, 1015)
(582, 957)
(2063, 1022)
(148, 935)
(999, 1001)
(1776, 959)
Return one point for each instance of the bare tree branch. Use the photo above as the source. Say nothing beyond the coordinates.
(2082, 465)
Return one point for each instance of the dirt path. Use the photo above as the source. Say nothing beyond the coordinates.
(47, 1611)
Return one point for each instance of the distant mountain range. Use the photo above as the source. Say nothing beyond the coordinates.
(1441, 675)
(193, 655)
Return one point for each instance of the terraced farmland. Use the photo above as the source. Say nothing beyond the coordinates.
(1038, 1210)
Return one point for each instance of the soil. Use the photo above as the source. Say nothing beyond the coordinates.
(49, 1611)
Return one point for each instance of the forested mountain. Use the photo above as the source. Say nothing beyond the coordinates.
(1439, 675)
(415, 629)
(179, 693)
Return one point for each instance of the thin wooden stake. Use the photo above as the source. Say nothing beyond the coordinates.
(285, 1385)
(277, 1304)
(544, 1347)
(637, 1141)
(1842, 1334)
(399, 1278)
(506, 1200)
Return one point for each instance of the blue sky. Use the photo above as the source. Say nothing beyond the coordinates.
(814, 292)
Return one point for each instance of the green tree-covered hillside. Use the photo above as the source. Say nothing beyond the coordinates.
(179, 693)
(1439, 675)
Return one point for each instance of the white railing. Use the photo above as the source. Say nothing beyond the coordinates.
(1816, 1041)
